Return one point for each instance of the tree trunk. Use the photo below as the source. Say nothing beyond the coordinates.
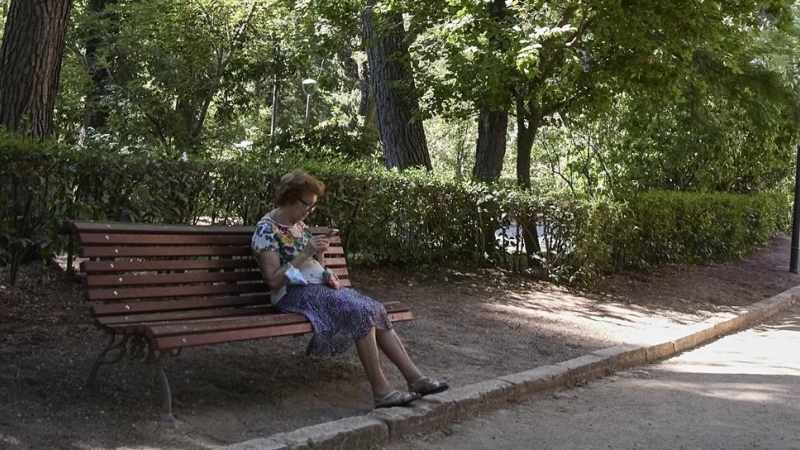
(493, 119)
(392, 83)
(96, 114)
(491, 149)
(30, 64)
(188, 138)
(528, 123)
(366, 104)
(527, 126)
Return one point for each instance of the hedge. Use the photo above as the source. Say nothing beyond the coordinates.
(386, 217)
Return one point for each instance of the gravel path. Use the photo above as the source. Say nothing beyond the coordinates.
(739, 392)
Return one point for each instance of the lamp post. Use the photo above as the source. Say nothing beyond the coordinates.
(273, 121)
(793, 256)
(309, 86)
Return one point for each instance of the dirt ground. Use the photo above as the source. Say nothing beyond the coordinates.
(470, 325)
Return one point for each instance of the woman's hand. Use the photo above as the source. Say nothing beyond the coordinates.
(315, 245)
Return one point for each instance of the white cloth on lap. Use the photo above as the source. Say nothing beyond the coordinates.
(312, 271)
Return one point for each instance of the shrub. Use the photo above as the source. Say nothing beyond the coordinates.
(386, 217)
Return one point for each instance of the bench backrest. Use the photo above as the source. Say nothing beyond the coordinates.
(143, 268)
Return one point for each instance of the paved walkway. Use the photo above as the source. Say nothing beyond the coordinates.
(740, 392)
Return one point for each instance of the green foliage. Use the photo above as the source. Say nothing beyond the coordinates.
(31, 199)
(325, 142)
(698, 69)
(627, 96)
(199, 76)
(386, 217)
(669, 227)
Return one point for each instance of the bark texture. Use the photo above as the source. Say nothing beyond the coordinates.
(30, 64)
(491, 148)
(528, 123)
(392, 84)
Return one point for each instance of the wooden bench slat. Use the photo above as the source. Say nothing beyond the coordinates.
(178, 316)
(335, 262)
(341, 272)
(82, 226)
(110, 309)
(134, 327)
(122, 251)
(169, 343)
(163, 251)
(134, 279)
(161, 239)
(172, 342)
(186, 328)
(165, 265)
(86, 226)
(123, 294)
(334, 251)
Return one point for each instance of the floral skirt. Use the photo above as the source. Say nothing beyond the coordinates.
(339, 317)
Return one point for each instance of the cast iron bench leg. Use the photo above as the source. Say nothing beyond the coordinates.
(112, 345)
(166, 405)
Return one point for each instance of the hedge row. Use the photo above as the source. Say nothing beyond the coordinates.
(386, 217)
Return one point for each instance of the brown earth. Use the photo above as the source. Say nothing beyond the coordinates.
(470, 325)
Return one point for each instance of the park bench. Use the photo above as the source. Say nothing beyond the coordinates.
(157, 289)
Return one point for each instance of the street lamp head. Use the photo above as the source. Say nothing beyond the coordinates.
(309, 85)
(308, 89)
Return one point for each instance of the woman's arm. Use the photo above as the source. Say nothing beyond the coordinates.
(272, 271)
(320, 256)
(275, 274)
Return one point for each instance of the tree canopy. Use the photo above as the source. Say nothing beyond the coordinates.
(588, 96)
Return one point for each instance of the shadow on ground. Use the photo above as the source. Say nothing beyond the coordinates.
(469, 326)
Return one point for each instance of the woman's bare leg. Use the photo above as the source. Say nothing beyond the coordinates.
(390, 343)
(367, 349)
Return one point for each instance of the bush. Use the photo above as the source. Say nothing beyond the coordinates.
(668, 226)
(386, 217)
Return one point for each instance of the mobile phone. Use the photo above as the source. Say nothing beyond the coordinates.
(332, 232)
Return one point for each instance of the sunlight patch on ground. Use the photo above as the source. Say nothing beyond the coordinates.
(9, 440)
(126, 447)
(775, 354)
(743, 392)
(618, 322)
(562, 299)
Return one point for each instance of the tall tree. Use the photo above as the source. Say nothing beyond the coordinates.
(173, 67)
(493, 117)
(193, 109)
(30, 64)
(569, 57)
(95, 112)
(392, 83)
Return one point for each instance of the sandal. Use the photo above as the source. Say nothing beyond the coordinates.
(396, 398)
(427, 385)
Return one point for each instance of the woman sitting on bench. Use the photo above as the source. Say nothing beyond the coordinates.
(292, 262)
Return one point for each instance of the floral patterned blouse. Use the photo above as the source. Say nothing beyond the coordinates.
(288, 241)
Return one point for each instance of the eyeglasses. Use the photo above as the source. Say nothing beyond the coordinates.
(309, 206)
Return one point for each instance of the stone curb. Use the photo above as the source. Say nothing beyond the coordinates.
(456, 405)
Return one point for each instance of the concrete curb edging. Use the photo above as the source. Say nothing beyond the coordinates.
(456, 405)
